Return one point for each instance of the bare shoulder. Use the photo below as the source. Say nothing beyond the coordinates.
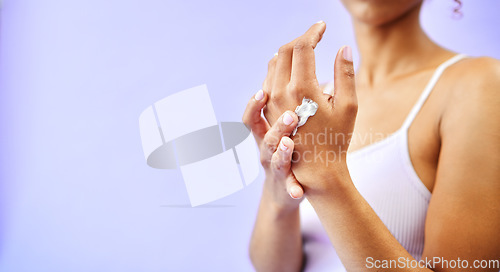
(480, 76)
(474, 91)
(474, 81)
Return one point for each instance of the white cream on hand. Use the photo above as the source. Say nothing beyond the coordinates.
(307, 109)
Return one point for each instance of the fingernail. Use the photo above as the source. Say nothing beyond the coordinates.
(320, 22)
(287, 119)
(276, 54)
(294, 192)
(259, 95)
(283, 146)
(347, 52)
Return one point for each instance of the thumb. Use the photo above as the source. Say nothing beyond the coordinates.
(294, 188)
(344, 83)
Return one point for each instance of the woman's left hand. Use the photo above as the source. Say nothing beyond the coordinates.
(321, 144)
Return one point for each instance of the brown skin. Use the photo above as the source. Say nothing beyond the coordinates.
(453, 142)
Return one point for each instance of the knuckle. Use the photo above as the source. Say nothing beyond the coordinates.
(244, 119)
(285, 49)
(280, 129)
(276, 98)
(348, 71)
(293, 86)
(273, 136)
(264, 160)
(271, 64)
(278, 164)
(268, 145)
(273, 97)
(297, 86)
(351, 106)
(275, 162)
(277, 130)
(300, 45)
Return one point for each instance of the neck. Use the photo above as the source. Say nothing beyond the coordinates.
(393, 49)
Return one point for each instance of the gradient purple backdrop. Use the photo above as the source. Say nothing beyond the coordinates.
(76, 193)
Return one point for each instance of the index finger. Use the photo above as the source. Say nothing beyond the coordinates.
(283, 127)
(252, 116)
(303, 60)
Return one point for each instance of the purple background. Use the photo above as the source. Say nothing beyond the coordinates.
(76, 193)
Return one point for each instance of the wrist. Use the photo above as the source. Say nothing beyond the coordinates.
(337, 193)
(278, 201)
(331, 180)
(319, 175)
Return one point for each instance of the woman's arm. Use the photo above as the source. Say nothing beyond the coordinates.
(463, 218)
(276, 243)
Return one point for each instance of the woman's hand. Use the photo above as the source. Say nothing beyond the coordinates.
(321, 144)
(276, 149)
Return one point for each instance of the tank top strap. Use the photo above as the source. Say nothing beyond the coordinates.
(428, 88)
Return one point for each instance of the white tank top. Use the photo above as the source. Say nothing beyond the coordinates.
(384, 175)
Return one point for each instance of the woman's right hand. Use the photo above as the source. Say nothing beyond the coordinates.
(276, 148)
